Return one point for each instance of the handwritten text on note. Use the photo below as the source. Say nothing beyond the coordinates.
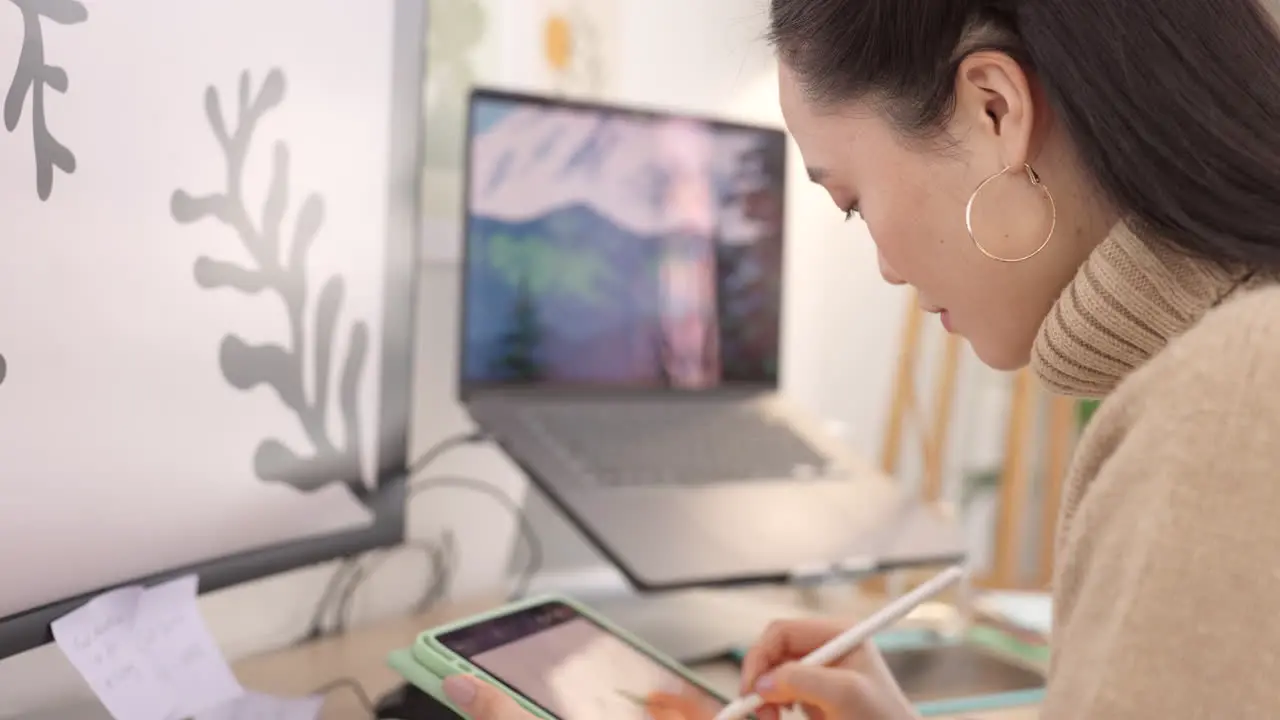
(170, 631)
(147, 654)
(98, 640)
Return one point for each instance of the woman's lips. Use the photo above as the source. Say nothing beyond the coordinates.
(943, 315)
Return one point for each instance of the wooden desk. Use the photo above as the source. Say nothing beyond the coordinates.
(361, 656)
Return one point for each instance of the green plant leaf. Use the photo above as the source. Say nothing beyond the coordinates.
(977, 483)
(1084, 412)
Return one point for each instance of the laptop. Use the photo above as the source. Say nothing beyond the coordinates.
(622, 284)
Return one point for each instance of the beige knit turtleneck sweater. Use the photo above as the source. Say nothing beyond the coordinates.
(1167, 589)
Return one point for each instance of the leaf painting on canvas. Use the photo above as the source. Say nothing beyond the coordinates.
(279, 269)
(33, 77)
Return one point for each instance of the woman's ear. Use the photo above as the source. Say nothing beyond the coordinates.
(995, 104)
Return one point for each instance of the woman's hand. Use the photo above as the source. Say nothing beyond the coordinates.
(858, 687)
(482, 701)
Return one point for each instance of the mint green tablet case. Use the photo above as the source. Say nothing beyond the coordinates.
(426, 663)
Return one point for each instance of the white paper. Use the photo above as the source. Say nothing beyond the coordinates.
(256, 706)
(171, 634)
(98, 640)
(1028, 610)
(147, 654)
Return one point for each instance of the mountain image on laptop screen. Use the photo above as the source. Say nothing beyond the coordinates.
(608, 248)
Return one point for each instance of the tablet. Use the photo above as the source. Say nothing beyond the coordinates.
(558, 659)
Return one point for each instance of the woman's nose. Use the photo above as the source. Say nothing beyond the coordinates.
(888, 273)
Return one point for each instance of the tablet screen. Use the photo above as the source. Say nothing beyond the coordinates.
(569, 665)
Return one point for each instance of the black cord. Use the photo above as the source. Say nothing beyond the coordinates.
(349, 573)
(442, 557)
(442, 447)
(442, 572)
(533, 546)
(341, 576)
(438, 581)
(356, 689)
(439, 555)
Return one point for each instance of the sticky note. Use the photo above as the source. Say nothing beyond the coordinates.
(147, 654)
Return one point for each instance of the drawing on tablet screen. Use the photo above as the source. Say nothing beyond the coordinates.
(577, 671)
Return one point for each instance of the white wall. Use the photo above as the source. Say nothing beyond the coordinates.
(842, 324)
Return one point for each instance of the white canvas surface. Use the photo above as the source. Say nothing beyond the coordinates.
(124, 447)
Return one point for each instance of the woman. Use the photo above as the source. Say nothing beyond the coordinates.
(1093, 187)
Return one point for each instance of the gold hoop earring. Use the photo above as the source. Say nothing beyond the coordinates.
(1035, 181)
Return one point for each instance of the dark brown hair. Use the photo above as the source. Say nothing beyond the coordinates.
(1173, 105)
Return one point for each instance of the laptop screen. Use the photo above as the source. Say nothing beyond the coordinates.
(615, 249)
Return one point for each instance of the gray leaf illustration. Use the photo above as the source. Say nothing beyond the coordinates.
(32, 77)
(310, 216)
(187, 209)
(271, 94)
(349, 388)
(13, 102)
(63, 12)
(248, 366)
(243, 92)
(213, 274)
(55, 78)
(281, 366)
(277, 200)
(326, 326)
(275, 462)
(213, 110)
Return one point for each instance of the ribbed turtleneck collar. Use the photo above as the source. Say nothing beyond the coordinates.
(1128, 300)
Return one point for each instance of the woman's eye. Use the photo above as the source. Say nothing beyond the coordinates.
(848, 214)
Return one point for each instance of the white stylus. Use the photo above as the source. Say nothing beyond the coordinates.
(849, 640)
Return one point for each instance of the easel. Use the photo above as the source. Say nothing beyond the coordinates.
(1022, 445)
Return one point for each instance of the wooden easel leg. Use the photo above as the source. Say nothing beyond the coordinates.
(943, 406)
(903, 388)
(903, 399)
(934, 431)
(1061, 439)
(1014, 482)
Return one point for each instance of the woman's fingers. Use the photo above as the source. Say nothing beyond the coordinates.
(483, 701)
(782, 641)
(832, 692)
(768, 712)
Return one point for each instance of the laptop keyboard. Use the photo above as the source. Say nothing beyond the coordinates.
(639, 444)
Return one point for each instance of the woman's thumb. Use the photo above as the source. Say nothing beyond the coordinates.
(831, 689)
(480, 700)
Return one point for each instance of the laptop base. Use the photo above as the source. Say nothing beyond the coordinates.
(847, 521)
